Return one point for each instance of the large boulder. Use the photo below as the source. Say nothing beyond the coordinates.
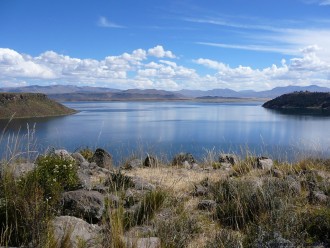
(184, 159)
(78, 231)
(102, 158)
(78, 157)
(91, 175)
(264, 163)
(63, 154)
(88, 205)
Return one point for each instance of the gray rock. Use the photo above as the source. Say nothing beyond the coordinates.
(114, 200)
(150, 161)
(134, 163)
(228, 158)
(200, 190)
(319, 197)
(78, 157)
(183, 159)
(151, 242)
(102, 158)
(279, 242)
(63, 154)
(88, 171)
(140, 184)
(88, 205)
(264, 163)
(207, 205)
(78, 230)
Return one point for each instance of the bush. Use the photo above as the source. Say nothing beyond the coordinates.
(55, 174)
(225, 238)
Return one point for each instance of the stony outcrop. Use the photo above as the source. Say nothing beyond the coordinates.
(186, 160)
(78, 230)
(88, 205)
(102, 158)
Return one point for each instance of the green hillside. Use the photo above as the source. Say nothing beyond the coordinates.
(24, 105)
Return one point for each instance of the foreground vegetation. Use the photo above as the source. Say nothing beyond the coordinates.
(217, 203)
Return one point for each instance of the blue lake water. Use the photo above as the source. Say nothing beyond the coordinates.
(170, 127)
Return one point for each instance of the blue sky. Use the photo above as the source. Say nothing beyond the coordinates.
(165, 44)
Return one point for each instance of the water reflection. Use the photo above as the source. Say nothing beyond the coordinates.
(170, 127)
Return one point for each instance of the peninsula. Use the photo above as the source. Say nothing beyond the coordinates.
(26, 105)
(300, 100)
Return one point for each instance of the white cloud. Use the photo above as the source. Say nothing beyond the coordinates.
(159, 52)
(141, 69)
(105, 23)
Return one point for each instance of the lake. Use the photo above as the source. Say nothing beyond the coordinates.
(166, 128)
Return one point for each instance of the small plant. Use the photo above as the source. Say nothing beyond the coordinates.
(151, 202)
(55, 174)
(87, 153)
(118, 181)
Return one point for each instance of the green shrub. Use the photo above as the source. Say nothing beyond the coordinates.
(118, 181)
(55, 174)
(317, 225)
(87, 153)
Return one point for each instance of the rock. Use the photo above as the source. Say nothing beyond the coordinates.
(78, 229)
(207, 205)
(228, 158)
(21, 169)
(78, 157)
(63, 154)
(88, 205)
(87, 172)
(102, 158)
(182, 159)
(135, 163)
(150, 161)
(279, 242)
(151, 242)
(319, 197)
(264, 163)
(200, 190)
(114, 200)
(140, 184)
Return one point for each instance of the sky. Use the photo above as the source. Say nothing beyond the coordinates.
(168, 44)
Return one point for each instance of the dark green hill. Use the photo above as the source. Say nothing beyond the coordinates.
(302, 100)
(24, 105)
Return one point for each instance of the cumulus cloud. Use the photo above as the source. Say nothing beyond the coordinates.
(143, 69)
(105, 23)
(159, 52)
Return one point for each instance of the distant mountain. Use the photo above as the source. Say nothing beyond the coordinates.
(57, 89)
(251, 93)
(300, 100)
(81, 93)
(126, 95)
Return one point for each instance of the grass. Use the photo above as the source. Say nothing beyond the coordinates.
(253, 207)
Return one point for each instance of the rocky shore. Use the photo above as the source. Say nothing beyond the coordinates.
(225, 201)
